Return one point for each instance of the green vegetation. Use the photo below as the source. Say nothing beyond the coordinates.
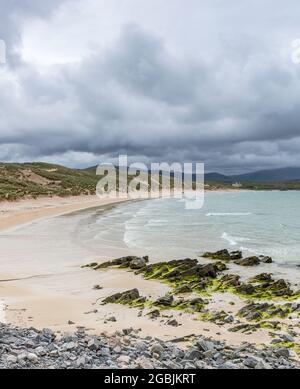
(33, 180)
(276, 185)
(283, 186)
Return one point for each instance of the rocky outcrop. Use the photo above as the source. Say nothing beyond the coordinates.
(265, 259)
(263, 277)
(138, 263)
(237, 257)
(258, 311)
(184, 288)
(250, 261)
(165, 301)
(130, 261)
(124, 298)
(188, 275)
(245, 289)
(222, 255)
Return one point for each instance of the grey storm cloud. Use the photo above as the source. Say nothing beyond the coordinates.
(234, 105)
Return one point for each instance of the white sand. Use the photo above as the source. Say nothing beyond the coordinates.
(43, 285)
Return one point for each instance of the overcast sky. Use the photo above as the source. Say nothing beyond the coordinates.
(159, 80)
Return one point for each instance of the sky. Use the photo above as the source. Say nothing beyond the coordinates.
(159, 80)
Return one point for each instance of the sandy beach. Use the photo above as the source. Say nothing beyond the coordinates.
(13, 214)
(43, 284)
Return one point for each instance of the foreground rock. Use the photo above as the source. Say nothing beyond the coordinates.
(124, 298)
(187, 276)
(237, 258)
(132, 262)
(32, 349)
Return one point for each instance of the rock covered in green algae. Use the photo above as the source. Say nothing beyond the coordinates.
(263, 277)
(261, 286)
(181, 271)
(166, 300)
(256, 311)
(222, 255)
(187, 275)
(124, 298)
(184, 288)
(250, 261)
(237, 257)
(130, 261)
(137, 263)
(229, 280)
(234, 255)
(245, 289)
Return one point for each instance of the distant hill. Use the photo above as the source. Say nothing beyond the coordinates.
(283, 175)
(22, 180)
(216, 177)
(261, 176)
(42, 179)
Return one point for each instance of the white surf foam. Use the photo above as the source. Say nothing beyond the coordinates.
(233, 240)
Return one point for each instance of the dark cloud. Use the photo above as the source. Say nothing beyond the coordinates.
(236, 107)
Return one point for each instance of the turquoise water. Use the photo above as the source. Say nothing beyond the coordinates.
(256, 222)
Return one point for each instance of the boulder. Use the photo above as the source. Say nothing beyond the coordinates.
(123, 298)
(220, 266)
(204, 345)
(137, 264)
(173, 323)
(250, 261)
(156, 349)
(222, 255)
(263, 277)
(234, 255)
(166, 300)
(184, 288)
(265, 259)
(246, 289)
(251, 362)
(133, 262)
(192, 354)
(230, 280)
(154, 314)
(112, 319)
(282, 352)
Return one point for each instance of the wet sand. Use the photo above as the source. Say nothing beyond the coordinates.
(43, 285)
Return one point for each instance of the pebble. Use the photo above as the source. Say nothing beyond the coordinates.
(30, 348)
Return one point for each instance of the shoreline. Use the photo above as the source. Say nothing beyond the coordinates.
(63, 298)
(19, 213)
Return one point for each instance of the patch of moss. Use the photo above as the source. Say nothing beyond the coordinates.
(257, 312)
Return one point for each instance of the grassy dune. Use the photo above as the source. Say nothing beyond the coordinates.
(41, 179)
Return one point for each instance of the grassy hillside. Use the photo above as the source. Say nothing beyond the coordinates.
(41, 179)
(19, 181)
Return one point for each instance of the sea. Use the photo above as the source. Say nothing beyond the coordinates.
(256, 222)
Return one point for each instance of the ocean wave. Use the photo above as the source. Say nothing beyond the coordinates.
(234, 240)
(252, 251)
(156, 222)
(229, 214)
